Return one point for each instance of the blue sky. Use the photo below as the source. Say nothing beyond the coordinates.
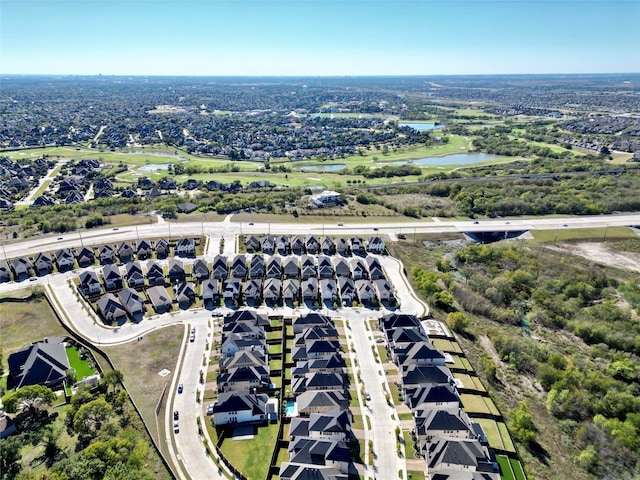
(317, 37)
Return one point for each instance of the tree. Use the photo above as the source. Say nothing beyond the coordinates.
(52, 451)
(10, 457)
(30, 398)
(113, 379)
(91, 416)
(457, 322)
(522, 426)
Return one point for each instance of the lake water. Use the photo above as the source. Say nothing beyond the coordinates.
(156, 154)
(334, 167)
(152, 167)
(455, 159)
(422, 126)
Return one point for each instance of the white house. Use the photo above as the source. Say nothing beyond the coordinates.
(240, 407)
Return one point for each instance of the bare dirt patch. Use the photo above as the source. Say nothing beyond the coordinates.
(603, 254)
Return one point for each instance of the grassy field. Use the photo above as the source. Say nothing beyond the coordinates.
(24, 323)
(143, 360)
(574, 234)
(256, 465)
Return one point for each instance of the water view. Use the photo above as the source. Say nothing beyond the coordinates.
(156, 154)
(455, 159)
(152, 167)
(334, 167)
(422, 126)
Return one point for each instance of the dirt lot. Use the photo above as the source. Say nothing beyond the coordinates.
(602, 253)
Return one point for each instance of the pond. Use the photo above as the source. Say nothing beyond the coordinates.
(455, 159)
(156, 154)
(333, 167)
(152, 167)
(422, 126)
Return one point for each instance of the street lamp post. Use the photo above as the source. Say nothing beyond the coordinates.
(605, 233)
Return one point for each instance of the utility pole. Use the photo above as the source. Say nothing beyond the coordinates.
(605, 233)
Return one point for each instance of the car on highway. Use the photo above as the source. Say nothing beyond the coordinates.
(367, 396)
(250, 223)
(176, 427)
(115, 229)
(180, 388)
(476, 222)
(60, 238)
(402, 236)
(33, 279)
(192, 338)
(375, 229)
(340, 224)
(176, 415)
(508, 223)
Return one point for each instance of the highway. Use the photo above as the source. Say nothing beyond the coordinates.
(228, 230)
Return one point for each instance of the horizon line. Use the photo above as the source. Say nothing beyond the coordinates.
(308, 75)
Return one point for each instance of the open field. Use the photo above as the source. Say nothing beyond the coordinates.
(144, 359)
(574, 234)
(23, 323)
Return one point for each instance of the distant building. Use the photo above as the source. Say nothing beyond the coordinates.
(328, 198)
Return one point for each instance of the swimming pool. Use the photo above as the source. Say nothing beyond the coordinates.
(292, 409)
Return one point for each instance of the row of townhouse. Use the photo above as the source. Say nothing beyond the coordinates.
(243, 379)
(319, 437)
(453, 445)
(301, 267)
(65, 258)
(371, 287)
(313, 245)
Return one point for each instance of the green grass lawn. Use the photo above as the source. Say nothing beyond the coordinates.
(474, 403)
(490, 428)
(256, 465)
(516, 466)
(506, 438)
(415, 475)
(593, 234)
(357, 423)
(505, 468)
(82, 367)
(409, 445)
